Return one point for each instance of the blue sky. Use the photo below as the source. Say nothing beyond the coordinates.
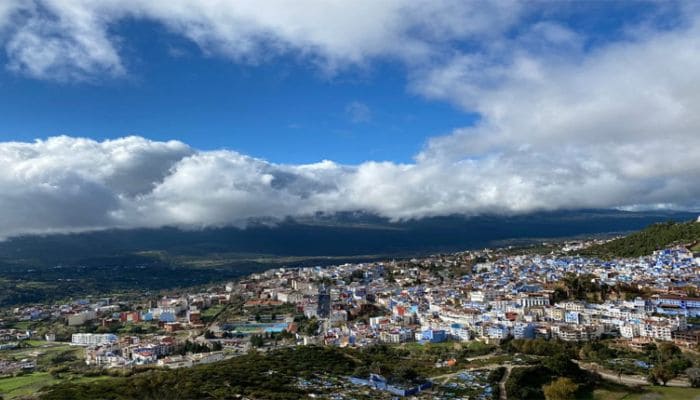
(285, 110)
(134, 113)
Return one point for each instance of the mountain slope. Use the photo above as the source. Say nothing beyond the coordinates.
(652, 238)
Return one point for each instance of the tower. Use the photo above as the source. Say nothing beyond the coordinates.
(324, 303)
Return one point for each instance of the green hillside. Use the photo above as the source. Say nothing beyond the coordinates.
(646, 241)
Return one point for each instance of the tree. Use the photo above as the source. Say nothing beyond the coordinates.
(663, 374)
(361, 371)
(311, 327)
(561, 389)
(693, 376)
(377, 368)
(405, 374)
(257, 341)
(668, 351)
(562, 365)
(679, 364)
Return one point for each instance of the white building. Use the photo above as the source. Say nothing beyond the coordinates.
(629, 331)
(81, 318)
(534, 300)
(92, 339)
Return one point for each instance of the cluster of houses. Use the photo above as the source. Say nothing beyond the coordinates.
(111, 351)
(10, 338)
(509, 296)
(487, 295)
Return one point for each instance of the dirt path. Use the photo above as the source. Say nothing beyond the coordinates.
(502, 394)
(629, 380)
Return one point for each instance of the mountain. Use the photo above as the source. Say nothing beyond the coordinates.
(348, 234)
(57, 267)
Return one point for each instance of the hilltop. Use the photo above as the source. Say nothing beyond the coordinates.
(650, 239)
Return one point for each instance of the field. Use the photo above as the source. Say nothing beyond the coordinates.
(46, 354)
(25, 385)
(210, 313)
(647, 393)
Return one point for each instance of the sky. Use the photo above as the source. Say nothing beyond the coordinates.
(134, 113)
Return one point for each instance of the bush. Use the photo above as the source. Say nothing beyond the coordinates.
(561, 389)
(526, 383)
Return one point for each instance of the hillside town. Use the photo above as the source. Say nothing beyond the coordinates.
(487, 295)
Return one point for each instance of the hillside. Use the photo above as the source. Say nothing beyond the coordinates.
(54, 267)
(648, 240)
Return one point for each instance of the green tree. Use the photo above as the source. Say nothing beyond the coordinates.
(668, 351)
(662, 373)
(561, 365)
(361, 372)
(257, 341)
(405, 374)
(561, 389)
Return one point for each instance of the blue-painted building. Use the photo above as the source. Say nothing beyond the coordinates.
(434, 335)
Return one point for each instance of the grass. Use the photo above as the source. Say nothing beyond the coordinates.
(211, 312)
(46, 354)
(43, 349)
(26, 385)
(22, 325)
(616, 392)
(39, 343)
(471, 346)
(667, 393)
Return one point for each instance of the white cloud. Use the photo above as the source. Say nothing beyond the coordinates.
(63, 40)
(67, 184)
(561, 126)
(358, 112)
(74, 39)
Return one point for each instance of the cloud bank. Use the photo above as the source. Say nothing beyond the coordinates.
(562, 125)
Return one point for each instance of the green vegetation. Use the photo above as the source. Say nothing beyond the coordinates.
(23, 385)
(666, 393)
(275, 374)
(543, 378)
(617, 392)
(40, 280)
(211, 313)
(670, 362)
(561, 389)
(645, 242)
(29, 384)
(271, 376)
(47, 354)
